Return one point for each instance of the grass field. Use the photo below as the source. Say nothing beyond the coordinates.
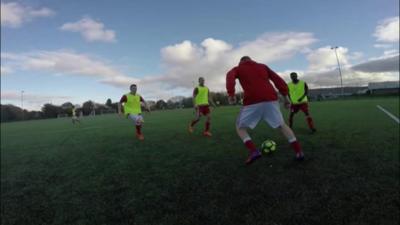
(98, 173)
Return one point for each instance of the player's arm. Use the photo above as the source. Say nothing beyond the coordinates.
(230, 85)
(121, 101)
(195, 93)
(281, 85)
(305, 92)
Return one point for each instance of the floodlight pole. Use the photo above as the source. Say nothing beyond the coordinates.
(340, 71)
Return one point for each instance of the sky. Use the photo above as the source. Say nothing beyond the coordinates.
(56, 51)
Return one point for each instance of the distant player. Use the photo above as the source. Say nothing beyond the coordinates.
(260, 103)
(75, 119)
(201, 103)
(298, 91)
(131, 103)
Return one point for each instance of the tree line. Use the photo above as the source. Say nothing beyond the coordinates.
(14, 113)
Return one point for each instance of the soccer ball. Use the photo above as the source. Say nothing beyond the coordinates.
(268, 146)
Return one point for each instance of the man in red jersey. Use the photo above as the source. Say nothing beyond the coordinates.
(260, 102)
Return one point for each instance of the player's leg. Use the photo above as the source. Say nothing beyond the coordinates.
(206, 112)
(293, 110)
(249, 117)
(195, 120)
(273, 116)
(138, 123)
(136, 120)
(291, 118)
(310, 122)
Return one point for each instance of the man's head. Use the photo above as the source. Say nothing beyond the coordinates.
(201, 81)
(293, 76)
(245, 58)
(133, 88)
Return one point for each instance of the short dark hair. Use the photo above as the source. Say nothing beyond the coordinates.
(132, 85)
(293, 73)
(245, 58)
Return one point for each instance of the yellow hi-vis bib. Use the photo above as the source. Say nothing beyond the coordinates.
(132, 105)
(202, 96)
(296, 91)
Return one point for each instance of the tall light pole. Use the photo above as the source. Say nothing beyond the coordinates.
(340, 71)
(22, 104)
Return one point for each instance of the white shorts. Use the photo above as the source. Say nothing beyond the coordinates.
(250, 115)
(138, 119)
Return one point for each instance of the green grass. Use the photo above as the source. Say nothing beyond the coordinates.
(98, 173)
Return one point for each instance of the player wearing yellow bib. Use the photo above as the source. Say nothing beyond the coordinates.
(298, 91)
(201, 102)
(132, 109)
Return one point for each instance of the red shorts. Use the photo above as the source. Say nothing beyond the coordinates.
(303, 107)
(203, 110)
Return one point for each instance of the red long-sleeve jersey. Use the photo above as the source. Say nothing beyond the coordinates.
(255, 79)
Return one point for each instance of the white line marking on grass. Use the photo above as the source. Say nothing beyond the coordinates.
(388, 113)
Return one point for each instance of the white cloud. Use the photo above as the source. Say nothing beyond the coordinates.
(91, 30)
(324, 58)
(13, 14)
(387, 63)
(31, 101)
(185, 62)
(383, 68)
(63, 62)
(388, 30)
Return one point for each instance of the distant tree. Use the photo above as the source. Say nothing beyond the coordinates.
(187, 102)
(220, 98)
(10, 113)
(171, 104)
(87, 107)
(161, 104)
(109, 103)
(51, 111)
(67, 105)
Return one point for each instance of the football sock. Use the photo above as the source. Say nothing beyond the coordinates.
(207, 126)
(249, 144)
(295, 145)
(138, 129)
(310, 123)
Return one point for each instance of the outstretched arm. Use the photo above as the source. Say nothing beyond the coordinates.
(230, 85)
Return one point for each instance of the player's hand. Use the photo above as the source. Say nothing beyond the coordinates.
(232, 100)
(300, 99)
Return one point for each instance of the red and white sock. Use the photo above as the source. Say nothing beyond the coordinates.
(251, 147)
(295, 145)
